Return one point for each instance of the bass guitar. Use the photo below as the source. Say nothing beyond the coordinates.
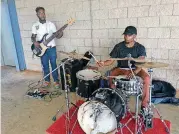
(41, 49)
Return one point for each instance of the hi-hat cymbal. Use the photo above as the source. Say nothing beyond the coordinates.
(74, 55)
(132, 59)
(152, 65)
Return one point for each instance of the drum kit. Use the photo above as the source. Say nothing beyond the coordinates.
(105, 107)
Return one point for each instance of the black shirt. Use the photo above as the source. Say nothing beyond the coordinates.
(121, 51)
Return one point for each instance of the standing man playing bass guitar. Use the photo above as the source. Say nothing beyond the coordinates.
(39, 29)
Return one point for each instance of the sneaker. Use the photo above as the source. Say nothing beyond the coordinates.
(56, 85)
(46, 84)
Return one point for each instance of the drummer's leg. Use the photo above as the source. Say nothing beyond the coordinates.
(116, 72)
(146, 84)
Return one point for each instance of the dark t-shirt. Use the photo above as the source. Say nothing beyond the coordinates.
(121, 51)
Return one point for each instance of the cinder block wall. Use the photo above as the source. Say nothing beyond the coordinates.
(100, 27)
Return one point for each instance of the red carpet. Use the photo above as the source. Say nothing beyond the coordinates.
(58, 127)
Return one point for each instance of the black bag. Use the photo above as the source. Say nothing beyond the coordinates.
(162, 89)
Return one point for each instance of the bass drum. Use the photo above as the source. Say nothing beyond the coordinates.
(103, 112)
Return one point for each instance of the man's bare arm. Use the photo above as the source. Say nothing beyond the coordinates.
(105, 63)
(33, 39)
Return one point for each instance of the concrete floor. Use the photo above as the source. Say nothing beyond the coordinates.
(23, 115)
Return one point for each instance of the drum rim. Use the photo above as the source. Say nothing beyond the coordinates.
(87, 79)
(133, 79)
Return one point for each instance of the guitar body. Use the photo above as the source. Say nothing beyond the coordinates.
(39, 51)
(43, 50)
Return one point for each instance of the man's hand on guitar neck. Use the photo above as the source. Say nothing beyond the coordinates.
(59, 35)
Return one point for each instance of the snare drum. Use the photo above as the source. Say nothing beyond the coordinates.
(129, 86)
(88, 82)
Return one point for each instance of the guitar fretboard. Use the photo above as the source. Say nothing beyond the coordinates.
(55, 34)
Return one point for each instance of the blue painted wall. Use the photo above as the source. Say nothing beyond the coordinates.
(17, 37)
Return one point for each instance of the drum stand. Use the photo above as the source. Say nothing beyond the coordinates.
(138, 123)
(148, 113)
(67, 115)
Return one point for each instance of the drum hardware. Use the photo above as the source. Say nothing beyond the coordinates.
(67, 115)
(136, 117)
(130, 65)
(66, 97)
(148, 113)
(136, 91)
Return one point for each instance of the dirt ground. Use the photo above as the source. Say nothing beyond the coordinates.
(23, 115)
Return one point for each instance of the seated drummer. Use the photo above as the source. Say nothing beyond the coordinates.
(136, 50)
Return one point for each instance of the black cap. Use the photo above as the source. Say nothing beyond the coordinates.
(130, 30)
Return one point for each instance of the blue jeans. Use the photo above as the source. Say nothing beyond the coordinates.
(50, 55)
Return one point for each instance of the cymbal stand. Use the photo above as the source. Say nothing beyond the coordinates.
(67, 115)
(35, 85)
(148, 113)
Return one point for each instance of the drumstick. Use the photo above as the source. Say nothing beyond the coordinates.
(93, 57)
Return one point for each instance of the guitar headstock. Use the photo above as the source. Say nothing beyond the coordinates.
(70, 21)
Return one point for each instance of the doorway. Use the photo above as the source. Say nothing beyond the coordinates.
(7, 39)
(11, 45)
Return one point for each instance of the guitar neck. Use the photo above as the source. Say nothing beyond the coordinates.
(55, 34)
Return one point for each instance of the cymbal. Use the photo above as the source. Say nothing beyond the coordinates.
(80, 57)
(68, 53)
(132, 59)
(74, 55)
(152, 65)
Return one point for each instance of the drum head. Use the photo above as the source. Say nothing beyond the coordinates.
(120, 77)
(88, 74)
(115, 100)
(95, 117)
